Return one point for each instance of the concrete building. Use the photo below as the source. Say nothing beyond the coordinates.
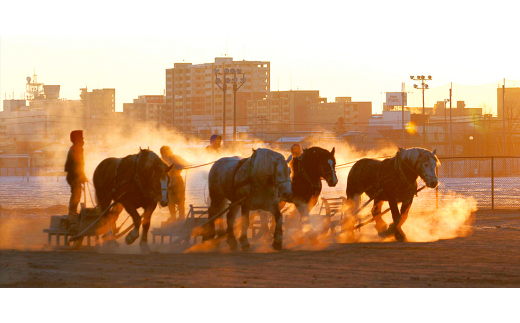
(326, 114)
(98, 104)
(281, 111)
(191, 90)
(150, 109)
(512, 103)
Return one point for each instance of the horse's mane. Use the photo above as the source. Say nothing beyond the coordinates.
(151, 158)
(263, 163)
(411, 155)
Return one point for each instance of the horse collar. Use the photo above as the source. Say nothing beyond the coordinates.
(403, 176)
(317, 183)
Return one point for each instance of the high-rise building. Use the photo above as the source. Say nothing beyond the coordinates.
(191, 90)
(98, 103)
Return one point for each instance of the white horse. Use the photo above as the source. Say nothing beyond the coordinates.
(259, 180)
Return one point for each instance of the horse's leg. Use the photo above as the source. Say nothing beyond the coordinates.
(278, 231)
(147, 216)
(230, 220)
(214, 208)
(245, 226)
(134, 234)
(396, 216)
(405, 207)
(381, 225)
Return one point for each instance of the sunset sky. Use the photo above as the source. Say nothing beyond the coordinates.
(340, 48)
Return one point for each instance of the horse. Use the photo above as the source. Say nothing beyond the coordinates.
(135, 181)
(313, 165)
(393, 180)
(258, 180)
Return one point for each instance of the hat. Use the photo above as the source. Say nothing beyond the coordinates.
(214, 138)
(76, 136)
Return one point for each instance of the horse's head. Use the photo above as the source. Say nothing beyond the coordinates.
(326, 163)
(283, 177)
(269, 164)
(425, 163)
(155, 174)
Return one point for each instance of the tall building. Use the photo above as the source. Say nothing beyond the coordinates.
(282, 111)
(191, 90)
(98, 103)
(150, 109)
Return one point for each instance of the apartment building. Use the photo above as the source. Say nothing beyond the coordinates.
(191, 90)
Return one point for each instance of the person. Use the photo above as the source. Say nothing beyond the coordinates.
(214, 143)
(176, 189)
(75, 168)
(296, 151)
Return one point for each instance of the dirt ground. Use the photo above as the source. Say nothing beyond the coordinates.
(488, 258)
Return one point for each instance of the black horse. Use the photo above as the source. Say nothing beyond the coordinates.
(393, 180)
(134, 181)
(309, 169)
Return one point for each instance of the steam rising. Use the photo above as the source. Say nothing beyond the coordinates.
(425, 223)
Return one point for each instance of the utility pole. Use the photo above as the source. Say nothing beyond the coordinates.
(423, 87)
(236, 87)
(224, 91)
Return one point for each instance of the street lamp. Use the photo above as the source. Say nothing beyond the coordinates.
(237, 84)
(423, 87)
(223, 87)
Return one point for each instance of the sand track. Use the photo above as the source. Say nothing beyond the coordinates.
(487, 258)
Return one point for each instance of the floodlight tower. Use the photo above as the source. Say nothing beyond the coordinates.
(224, 90)
(236, 86)
(423, 87)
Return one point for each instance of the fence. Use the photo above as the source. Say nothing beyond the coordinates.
(493, 181)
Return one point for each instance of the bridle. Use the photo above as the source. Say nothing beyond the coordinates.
(324, 171)
(137, 178)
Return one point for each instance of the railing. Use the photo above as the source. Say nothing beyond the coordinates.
(493, 181)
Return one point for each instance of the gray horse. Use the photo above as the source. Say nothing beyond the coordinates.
(259, 179)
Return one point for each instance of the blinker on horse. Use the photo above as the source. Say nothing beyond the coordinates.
(134, 181)
(393, 180)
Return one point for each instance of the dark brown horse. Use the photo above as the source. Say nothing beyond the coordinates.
(135, 181)
(393, 180)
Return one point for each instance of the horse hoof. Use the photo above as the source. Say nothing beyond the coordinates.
(110, 245)
(232, 243)
(277, 245)
(400, 236)
(145, 248)
(131, 237)
(245, 245)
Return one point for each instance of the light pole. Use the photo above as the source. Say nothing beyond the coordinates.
(224, 90)
(423, 87)
(236, 86)
(446, 123)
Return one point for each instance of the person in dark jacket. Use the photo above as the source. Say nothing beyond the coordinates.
(214, 143)
(75, 168)
(176, 189)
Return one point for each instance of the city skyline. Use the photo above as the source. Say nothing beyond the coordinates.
(357, 55)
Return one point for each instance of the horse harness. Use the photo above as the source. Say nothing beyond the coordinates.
(134, 178)
(397, 166)
(323, 172)
(250, 179)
